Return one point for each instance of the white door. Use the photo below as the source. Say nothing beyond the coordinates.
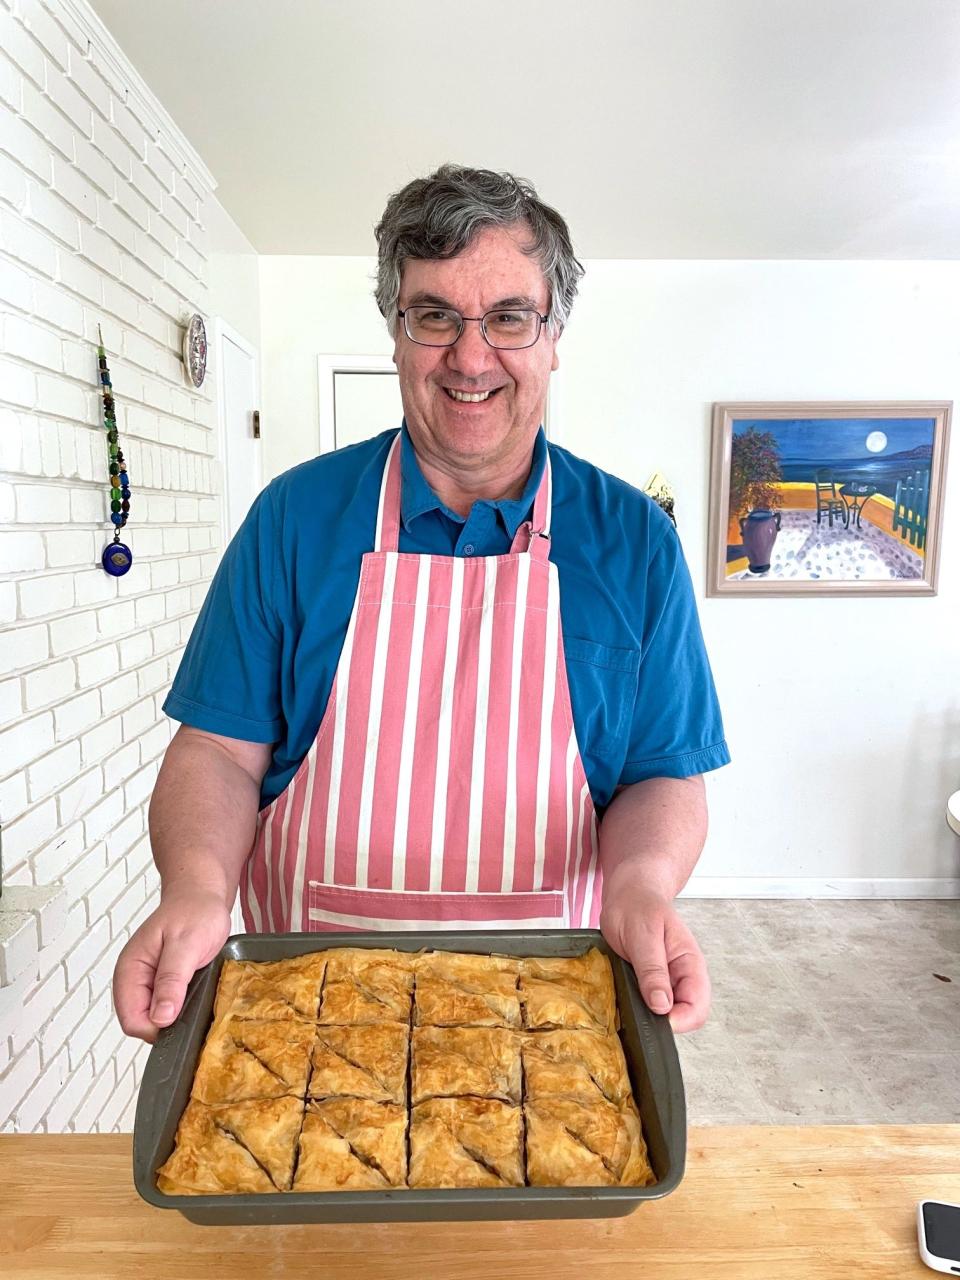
(239, 396)
(364, 404)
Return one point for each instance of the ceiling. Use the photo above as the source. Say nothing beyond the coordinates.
(659, 128)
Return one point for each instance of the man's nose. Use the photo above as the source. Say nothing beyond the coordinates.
(471, 354)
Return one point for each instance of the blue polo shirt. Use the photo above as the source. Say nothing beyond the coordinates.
(261, 660)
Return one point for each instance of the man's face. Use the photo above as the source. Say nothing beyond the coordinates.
(491, 271)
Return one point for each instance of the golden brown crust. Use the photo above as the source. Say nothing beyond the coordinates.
(352, 1144)
(366, 985)
(458, 989)
(456, 1061)
(572, 1145)
(466, 1142)
(569, 991)
(244, 1058)
(234, 1147)
(361, 1062)
(582, 1065)
(287, 988)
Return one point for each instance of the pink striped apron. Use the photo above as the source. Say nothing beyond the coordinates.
(444, 788)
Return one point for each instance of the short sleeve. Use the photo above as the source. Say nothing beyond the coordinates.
(228, 681)
(677, 728)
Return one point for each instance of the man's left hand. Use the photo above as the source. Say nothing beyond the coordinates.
(647, 930)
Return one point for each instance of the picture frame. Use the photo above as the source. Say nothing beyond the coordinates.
(837, 498)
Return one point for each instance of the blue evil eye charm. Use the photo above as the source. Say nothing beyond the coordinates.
(117, 559)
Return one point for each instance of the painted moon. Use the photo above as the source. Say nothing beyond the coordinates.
(876, 442)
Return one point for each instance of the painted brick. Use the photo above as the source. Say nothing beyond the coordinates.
(12, 999)
(84, 1117)
(76, 715)
(106, 1045)
(70, 634)
(122, 765)
(99, 742)
(19, 943)
(50, 683)
(44, 117)
(81, 1078)
(105, 815)
(61, 91)
(28, 245)
(118, 618)
(119, 693)
(16, 1081)
(28, 740)
(106, 891)
(126, 1090)
(80, 277)
(11, 701)
(126, 905)
(140, 786)
(48, 904)
(50, 594)
(141, 716)
(135, 648)
(48, 1087)
(122, 837)
(90, 84)
(39, 1008)
(40, 24)
(52, 861)
(87, 951)
(74, 800)
(51, 958)
(21, 552)
(94, 587)
(98, 664)
(69, 547)
(28, 833)
(54, 215)
(98, 1017)
(53, 770)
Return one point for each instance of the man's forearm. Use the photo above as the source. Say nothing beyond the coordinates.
(657, 829)
(202, 817)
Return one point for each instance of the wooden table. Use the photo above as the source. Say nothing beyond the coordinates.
(756, 1204)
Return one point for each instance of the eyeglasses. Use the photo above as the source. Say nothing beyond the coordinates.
(506, 329)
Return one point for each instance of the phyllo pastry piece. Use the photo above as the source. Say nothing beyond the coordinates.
(466, 1142)
(570, 1144)
(287, 988)
(352, 1144)
(569, 991)
(243, 1058)
(455, 989)
(361, 1062)
(454, 1061)
(365, 985)
(233, 1147)
(582, 1065)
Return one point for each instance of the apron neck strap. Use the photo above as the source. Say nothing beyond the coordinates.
(533, 535)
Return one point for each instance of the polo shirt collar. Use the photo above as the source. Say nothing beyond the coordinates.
(416, 496)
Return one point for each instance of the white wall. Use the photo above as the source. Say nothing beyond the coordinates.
(843, 715)
(101, 221)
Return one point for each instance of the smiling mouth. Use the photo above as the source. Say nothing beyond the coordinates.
(470, 397)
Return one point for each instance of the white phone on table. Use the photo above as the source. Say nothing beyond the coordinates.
(938, 1233)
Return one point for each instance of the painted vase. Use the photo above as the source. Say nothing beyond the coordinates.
(759, 532)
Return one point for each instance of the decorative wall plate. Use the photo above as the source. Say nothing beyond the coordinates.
(195, 349)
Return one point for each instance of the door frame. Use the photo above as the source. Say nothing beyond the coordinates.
(221, 330)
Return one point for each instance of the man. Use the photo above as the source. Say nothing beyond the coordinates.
(448, 676)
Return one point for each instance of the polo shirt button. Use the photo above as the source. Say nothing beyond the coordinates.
(469, 549)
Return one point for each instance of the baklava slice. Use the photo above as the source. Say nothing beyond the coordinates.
(364, 985)
(582, 1065)
(569, 991)
(361, 1062)
(233, 1147)
(466, 1142)
(457, 1061)
(352, 1144)
(245, 1058)
(456, 989)
(572, 1144)
(287, 988)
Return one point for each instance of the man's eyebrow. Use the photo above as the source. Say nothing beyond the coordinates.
(434, 300)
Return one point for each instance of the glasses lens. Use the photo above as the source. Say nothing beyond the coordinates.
(433, 326)
(514, 329)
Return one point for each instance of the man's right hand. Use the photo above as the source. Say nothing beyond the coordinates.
(184, 933)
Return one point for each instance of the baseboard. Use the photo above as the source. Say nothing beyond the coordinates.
(801, 887)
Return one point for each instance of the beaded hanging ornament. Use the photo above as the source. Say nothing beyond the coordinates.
(117, 556)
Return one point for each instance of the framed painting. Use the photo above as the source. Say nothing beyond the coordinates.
(827, 499)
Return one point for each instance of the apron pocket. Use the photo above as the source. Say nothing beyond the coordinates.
(335, 908)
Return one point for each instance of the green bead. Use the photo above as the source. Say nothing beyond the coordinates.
(113, 451)
(115, 495)
(115, 506)
(114, 469)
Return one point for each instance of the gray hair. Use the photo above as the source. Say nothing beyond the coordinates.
(438, 216)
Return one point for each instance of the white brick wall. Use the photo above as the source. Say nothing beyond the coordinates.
(100, 201)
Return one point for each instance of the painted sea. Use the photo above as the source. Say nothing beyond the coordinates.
(883, 473)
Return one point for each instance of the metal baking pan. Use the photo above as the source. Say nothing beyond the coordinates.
(648, 1045)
